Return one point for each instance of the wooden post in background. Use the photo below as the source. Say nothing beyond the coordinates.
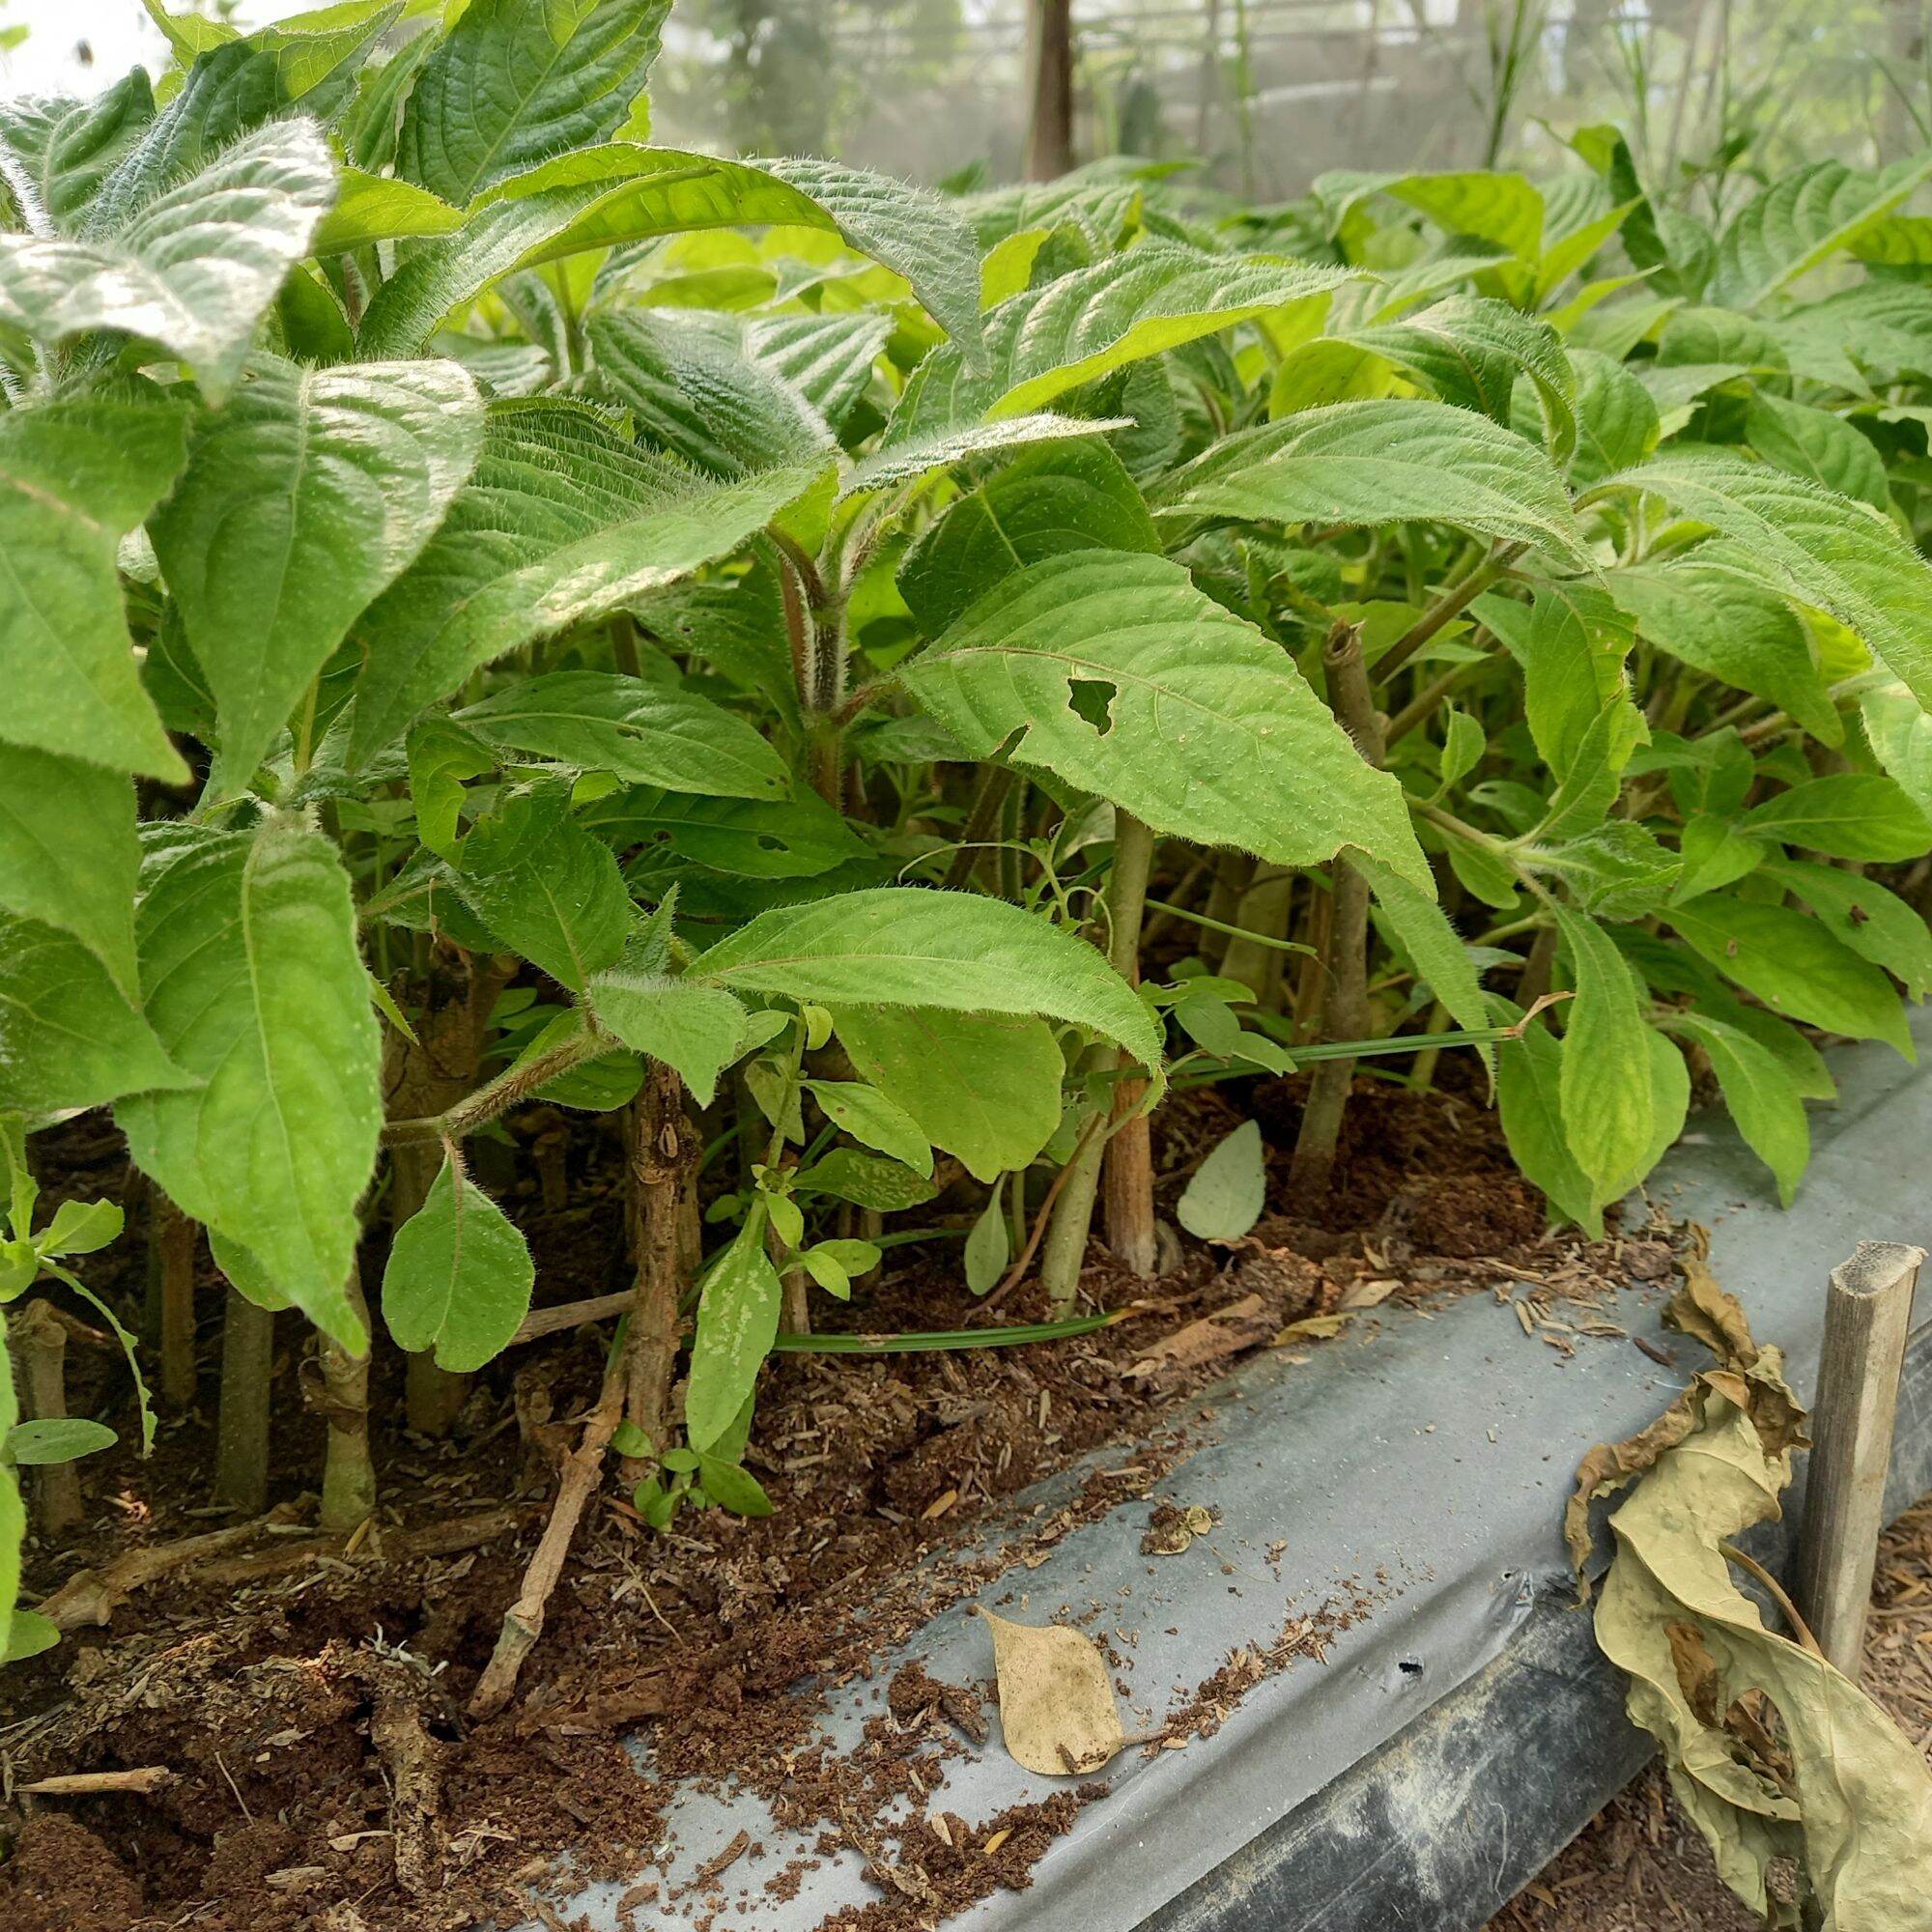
(1049, 148)
(1867, 1313)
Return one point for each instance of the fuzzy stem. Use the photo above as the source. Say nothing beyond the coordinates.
(171, 1250)
(1127, 1166)
(42, 1342)
(663, 1147)
(1345, 1012)
(348, 1474)
(1534, 981)
(242, 1427)
(1066, 1246)
(1450, 605)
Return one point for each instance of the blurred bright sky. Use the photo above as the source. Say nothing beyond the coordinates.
(118, 34)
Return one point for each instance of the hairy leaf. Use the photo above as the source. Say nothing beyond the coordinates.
(459, 1276)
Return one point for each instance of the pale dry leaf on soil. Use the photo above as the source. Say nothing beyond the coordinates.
(1057, 1710)
(1225, 1332)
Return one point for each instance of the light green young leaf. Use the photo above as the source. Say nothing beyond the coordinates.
(1804, 220)
(1795, 966)
(303, 499)
(69, 1037)
(988, 1242)
(193, 270)
(1126, 680)
(378, 207)
(82, 1227)
(459, 1276)
(254, 983)
(562, 522)
(982, 1086)
(1046, 501)
(1398, 460)
(68, 855)
(698, 1030)
(75, 475)
(1820, 547)
(867, 1180)
(1846, 814)
(1900, 734)
(1227, 1191)
(644, 733)
(1607, 1090)
(510, 85)
(737, 1323)
(874, 1121)
(910, 946)
(1760, 1094)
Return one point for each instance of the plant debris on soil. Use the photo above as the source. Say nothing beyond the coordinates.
(1640, 1866)
(305, 1694)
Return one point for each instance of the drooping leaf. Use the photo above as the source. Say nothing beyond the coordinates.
(1529, 1075)
(303, 499)
(459, 1276)
(1384, 462)
(560, 522)
(69, 1037)
(1759, 1093)
(737, 1323)
(509, 85)
(1606, 1092)
(1194, 721)
(76, 475)
(908, 946)
(68, 855)
(1819, 546)
(982, 1086)
(193, 270)
(1434, 947)
(255, 986)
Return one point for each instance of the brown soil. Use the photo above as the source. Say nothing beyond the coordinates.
(1639, 1866)
(307, 1698)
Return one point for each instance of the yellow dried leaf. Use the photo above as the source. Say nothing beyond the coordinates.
(1312, 1326)
(1057, 1710)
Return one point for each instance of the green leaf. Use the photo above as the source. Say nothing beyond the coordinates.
(909, 947)
(868, 1179)
(1795, 966)
(69, 1037)
(68, 855)
(1616, 420)
(796, 837)
(58, 1440)
(1804, 220)
(193, 270)
(29, 1633)
(545, 887)
(1433, 945)
(1847, 815)
(61, 150)
(1711, 609)
(1529, 1077)
(698, 1030)
(1617, 872)
(692, 392)
(874, 1121)
(254, 983)
(1045, 502)
(732, 1487)
(512, 84)
(984, 1087)
(305, 498)
(911, 456)
(641, 731)
(1760, 1094)
(1867, 918)
(1193, 720)
(459, 1276)
(375, 207)
(1900, 735)
(1818, 545)
(75, 475)
(16, 1631)
(1606, 1092)
(1156, 295)
(737, 1323)
(1505, 209)
(1227, 1191)
(1385, 462)
(561, 523)
(1814, 443)
(988, 1242)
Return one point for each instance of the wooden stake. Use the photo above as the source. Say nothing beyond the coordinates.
(241, 1422)
(1049, 151)
(1867, 1312)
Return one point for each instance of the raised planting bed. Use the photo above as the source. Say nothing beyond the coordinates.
(1379, 1705)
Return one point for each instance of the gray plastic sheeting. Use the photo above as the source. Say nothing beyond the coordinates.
(1425, 1460)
